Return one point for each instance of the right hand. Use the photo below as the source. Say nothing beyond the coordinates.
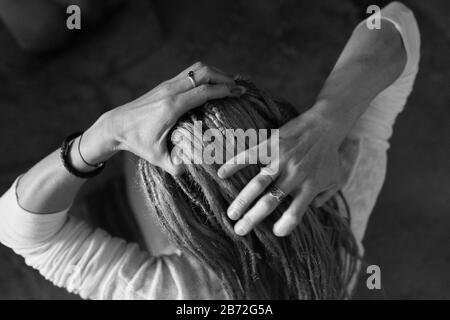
(307, 167)
(142, 126)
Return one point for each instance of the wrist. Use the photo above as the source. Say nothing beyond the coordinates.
(98, 143)
(338, 117)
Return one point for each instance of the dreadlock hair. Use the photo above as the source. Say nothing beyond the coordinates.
(316, 261)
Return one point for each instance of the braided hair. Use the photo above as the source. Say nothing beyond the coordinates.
(316, 261)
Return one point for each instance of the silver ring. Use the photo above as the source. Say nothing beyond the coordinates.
(277, 193)
(191, 77)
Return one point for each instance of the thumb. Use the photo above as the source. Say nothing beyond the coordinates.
(172, 163)
(323, 197)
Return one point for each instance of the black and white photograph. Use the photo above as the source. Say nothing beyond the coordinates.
(240, 151)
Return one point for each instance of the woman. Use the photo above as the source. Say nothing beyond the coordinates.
(191, 209)
(350, 124)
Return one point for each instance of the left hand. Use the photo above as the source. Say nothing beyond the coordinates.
(308, 167)
(142, 126)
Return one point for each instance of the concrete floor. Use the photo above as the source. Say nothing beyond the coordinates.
(287, 46)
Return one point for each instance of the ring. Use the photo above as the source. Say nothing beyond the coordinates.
(277, 193)
(191, 77)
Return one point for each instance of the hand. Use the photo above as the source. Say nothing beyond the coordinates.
(142, 126)
(307, 167)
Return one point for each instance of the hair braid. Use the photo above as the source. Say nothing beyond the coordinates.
(317, 261)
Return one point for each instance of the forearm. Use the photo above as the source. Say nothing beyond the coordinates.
(139, 127)
(48, 187)
(370, 62)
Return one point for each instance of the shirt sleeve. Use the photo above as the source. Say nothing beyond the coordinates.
(378, 120)
(91, 263)
(371, 133)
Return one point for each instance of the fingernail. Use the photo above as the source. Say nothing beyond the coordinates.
(238, 91)
(176, 160)
(240, 230)
(230, 210)
(232, 214)
(280, 229)
(220, 173)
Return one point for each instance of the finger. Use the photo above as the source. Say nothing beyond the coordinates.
(323, 197)
(251, 191)
(223, 72)
(328, 193)
(293, 215)
(171, 162)
(263, 207)
(204, 75)
(200, 95)
(240, 161)
(172, 86)
(195, 66)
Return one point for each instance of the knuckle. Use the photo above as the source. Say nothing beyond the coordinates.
(268, 172)
(263, 181)
(239, 203)
(317, 202)
(259, 185)
(205, 74)
(295, 163)
(198, 65)
(269, 202)
(207, 70)
(163, 84)
(204, 89)
(310, 185)
(293, 216)
(247, 220)
(296, 168)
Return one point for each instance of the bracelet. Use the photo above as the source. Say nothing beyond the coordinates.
(65, 150)
(81, 155)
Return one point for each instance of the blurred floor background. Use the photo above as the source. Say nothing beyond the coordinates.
(288, 47)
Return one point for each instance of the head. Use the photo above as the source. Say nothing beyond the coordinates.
(316, 261)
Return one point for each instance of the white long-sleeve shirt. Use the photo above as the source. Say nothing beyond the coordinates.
(90, 262)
